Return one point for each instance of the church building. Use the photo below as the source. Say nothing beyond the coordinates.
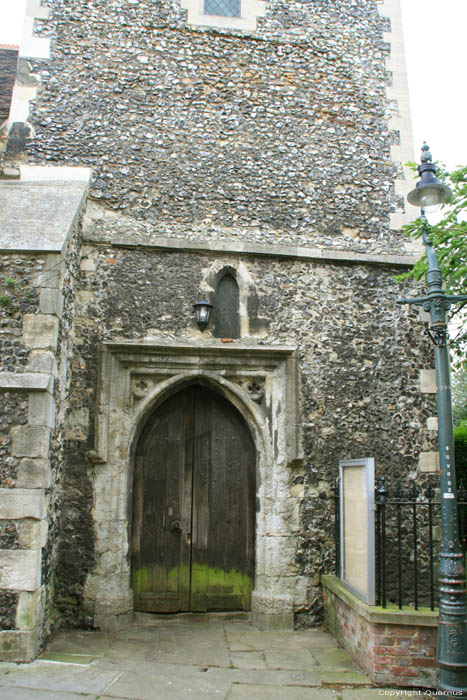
(200, 229)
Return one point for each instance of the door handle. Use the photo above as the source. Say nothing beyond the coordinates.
(176, 527)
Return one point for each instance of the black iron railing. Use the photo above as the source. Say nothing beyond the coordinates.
(407, 525)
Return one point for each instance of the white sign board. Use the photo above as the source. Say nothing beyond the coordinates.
(357, 526)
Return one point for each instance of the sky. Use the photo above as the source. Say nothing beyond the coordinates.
(434, 34)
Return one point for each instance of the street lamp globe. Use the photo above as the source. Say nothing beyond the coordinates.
(430, 193)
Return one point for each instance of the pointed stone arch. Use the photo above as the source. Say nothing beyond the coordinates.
(260, 382)
(226, 312)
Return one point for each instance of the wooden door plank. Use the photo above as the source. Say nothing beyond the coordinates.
(161, 565)
(201, 457)
(224, 498)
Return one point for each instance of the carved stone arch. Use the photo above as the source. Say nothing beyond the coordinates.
(235, 394)
(261, 383)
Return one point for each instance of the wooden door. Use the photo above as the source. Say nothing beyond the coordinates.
(193, 521)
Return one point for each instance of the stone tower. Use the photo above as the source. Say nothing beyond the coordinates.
(246, 152)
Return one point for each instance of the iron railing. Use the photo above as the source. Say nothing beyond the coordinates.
(407, 531)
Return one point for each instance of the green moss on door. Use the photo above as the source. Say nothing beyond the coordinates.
(159, 590)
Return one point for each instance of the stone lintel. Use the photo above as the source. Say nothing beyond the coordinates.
(185, 350)
(27, 381)
(239, 248)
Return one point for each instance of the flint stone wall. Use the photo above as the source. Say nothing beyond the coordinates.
(358, 387)
(280, 135)
(36, 309)
(8, 62)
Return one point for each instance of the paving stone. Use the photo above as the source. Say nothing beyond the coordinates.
(202, 645)
(77, 659)
(335, 659)
(260, 692)
(331, 678)
(169, 683)
(244, 637)
(296, 659)
(50, 676)
(381, 694)
(248, 659)
(28, 694)
(73, 641)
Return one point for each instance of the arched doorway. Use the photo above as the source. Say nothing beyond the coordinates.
(193, 506)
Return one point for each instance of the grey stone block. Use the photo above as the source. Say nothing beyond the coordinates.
(38, 216)
(41, 410)
(26, 381)
(18, 646)
(30, 441)
(42, 361)
(22, 503)
(51, 302)
(32, 534)
(40, 331)
(29, 610)
(20, 569)
(33, 474)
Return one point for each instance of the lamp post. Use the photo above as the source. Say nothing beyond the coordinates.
(451, 653)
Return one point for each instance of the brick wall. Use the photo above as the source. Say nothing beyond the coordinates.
(393, 647)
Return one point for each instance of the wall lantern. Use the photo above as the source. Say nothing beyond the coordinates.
(203, 313)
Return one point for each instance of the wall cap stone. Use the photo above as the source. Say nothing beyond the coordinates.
(37, 217)
(376, 614)
(234, 247)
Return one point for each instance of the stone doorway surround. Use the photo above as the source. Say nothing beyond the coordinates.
(261, 382)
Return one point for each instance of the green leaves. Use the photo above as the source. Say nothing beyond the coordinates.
(449, 238)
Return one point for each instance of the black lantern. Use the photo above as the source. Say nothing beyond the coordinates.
(203, 313)
(429, 193)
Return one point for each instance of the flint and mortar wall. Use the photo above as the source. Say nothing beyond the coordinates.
(36, 308)
(277, 135)
(203, 139)
(359, 391)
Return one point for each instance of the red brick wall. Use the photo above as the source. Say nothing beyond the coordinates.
(391, 654)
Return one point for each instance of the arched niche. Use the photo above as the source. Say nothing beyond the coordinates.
(226, 313)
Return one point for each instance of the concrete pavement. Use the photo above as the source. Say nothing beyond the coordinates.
(194, 657)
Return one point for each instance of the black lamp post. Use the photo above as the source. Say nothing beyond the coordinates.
(451, 653)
